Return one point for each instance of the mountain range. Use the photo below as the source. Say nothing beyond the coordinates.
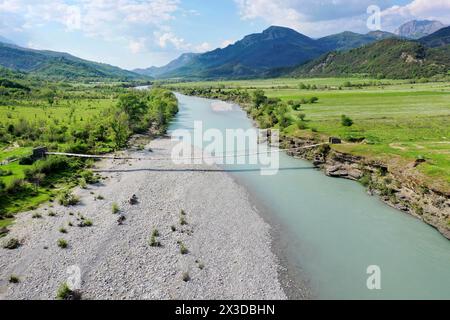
(389, 58)
(438, 39)
(58, 65)
(277, 51)
(257, 55)
(181, 61)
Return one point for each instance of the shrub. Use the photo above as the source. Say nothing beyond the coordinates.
(183, 221)
(67, 198)
(302, 116)
(313, 100)
(365, 180)
(89, 177)
(115, 208)
(154, 242)
(155, 233)
(4, 173)
(13, 279)
(52, 214)
(346, 121)
(12, 244)
(62, 230)
(183, 249)
(173, 228)
(301, 125)
(63, 244)
(82, 183)
(26, 161)
(65, 293)
(16, 185)
(185, 276)
(36, 216)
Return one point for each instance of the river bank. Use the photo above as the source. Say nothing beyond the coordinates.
(220, 248)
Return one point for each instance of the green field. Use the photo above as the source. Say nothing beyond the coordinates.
(395, 121)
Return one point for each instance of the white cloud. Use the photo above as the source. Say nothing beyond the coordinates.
(105, 18)
(226, 43)
(321, 17)
(203, 47)
(137, 46)
(417, 9)
(167, 39)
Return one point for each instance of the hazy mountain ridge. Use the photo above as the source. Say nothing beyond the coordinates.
(58, 64)
(416, 29)
(179, 62)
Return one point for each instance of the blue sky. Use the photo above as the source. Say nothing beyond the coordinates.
(141, 33)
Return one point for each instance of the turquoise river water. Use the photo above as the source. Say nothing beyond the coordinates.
(333, 229)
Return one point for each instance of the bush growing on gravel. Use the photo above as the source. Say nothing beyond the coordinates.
(89, 177)
(186, 276)
(154, 242)
(65, 293)
(115, 208)
(52, 214)
(13, 279)
(67, 198)
(36, 216)
(12, 244)
(62, 244)
(82, 183)
(85, 223)
(63, 230)
(155, 233)
(182, 212)
(173, 228)
(183, 249)
(183, 221)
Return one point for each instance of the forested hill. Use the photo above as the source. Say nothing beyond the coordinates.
(389, 58)
(58, 65)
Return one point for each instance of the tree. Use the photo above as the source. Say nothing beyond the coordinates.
(346, 121)
(302, 116)
(120, 129)
(259, 98)
(133, 106)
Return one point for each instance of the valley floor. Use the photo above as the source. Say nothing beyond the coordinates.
(229, 245)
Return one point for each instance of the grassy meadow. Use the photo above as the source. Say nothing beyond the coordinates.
(395, 121)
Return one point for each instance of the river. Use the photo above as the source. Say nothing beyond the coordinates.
(331, 230)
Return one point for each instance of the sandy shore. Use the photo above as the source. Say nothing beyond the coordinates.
(229, 244)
